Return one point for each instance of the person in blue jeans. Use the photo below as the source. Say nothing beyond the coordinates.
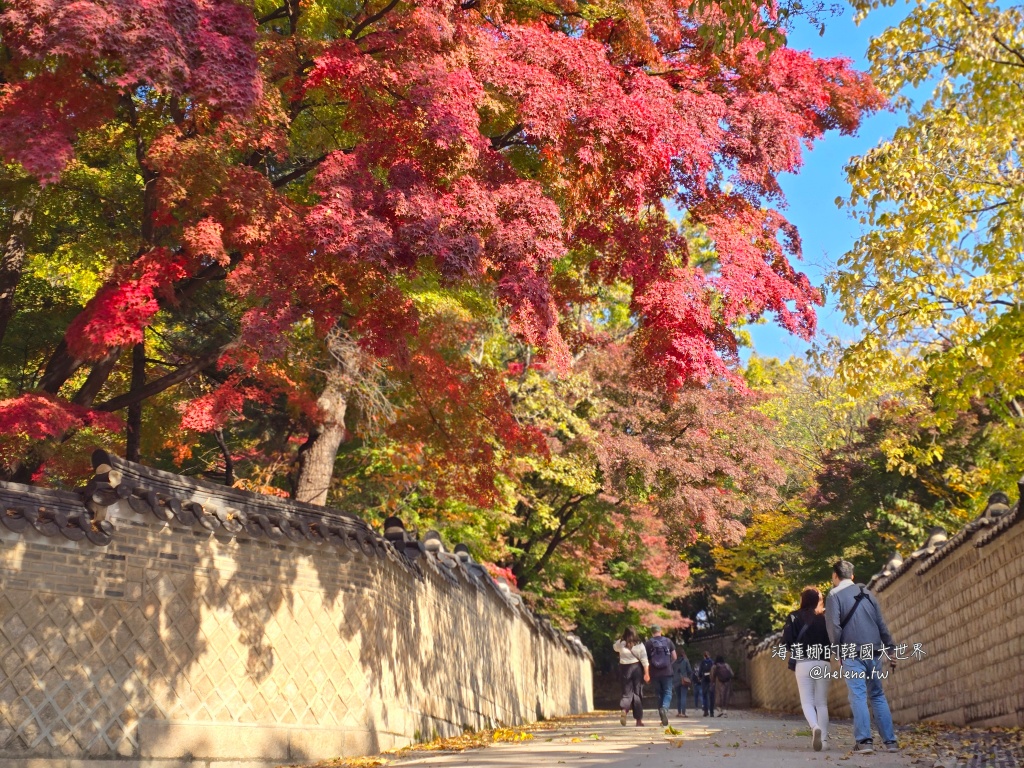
(661, 653)
(682, 679)
(707, 687)
(853, 619)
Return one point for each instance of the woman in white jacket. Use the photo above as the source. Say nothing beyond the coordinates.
(633, 668)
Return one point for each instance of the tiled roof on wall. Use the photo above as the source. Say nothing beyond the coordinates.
(193, 503)
(998, 517)
(50, 513)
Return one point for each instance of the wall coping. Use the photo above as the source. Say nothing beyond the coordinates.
(196, 505)
(994, 521)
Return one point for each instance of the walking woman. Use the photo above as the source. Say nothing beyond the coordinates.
(682, 679)
(806, 638)
(633, 667)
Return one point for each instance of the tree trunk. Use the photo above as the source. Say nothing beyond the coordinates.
(59, 368)
(97, 377)
(316, 457)
(133, 434)
(229, 464)
(12, 256)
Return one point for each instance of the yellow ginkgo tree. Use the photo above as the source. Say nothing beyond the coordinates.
(936, 281)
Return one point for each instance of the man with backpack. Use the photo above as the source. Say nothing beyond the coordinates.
(721, 678)
(854, 622)
(661, 652)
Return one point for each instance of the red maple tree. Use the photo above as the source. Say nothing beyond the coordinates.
(312, 159)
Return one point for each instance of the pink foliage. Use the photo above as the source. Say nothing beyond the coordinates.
(499, 573)
(525, 160)
(206, 239)
(34, 418)
(652, 614)
(213, 410)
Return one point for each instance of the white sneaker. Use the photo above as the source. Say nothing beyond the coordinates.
(816, 740)
(824, 745)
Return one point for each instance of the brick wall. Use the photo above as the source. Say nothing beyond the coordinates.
(963, 601)
(180, 642)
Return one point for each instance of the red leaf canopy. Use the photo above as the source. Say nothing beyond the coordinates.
(320, 156)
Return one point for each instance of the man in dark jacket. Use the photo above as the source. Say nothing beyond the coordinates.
(707, 689)
(855, 624)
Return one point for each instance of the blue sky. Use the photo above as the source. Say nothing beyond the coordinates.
(827, 231)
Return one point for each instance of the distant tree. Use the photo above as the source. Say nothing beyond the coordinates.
(862, 508)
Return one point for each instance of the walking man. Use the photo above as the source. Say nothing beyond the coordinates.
(854, 621)
(698, 689)
(661, 652)
(721, 678)
(707, 688)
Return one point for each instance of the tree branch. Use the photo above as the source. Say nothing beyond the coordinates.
(373, 19)
(98, 376)
(280, 13)
(229, 465)
(297, 173)
(133, 424)
(167, 381)
(62, 364)
(562, 533)
(506, 139)
(1010, 50)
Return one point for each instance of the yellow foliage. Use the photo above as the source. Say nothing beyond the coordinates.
(937, 280)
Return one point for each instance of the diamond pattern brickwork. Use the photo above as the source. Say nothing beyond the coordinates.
(78, 677)
(210, 630)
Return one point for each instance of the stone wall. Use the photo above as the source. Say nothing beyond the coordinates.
(962, 599)
(153, 617)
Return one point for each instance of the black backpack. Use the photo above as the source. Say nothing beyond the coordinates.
(724, 674)
(660, 654)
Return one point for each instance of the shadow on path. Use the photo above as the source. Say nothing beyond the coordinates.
(742, 739)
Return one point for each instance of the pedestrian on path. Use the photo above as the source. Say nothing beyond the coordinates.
(721, 676)
(633, 668)
(698, 688)
(706, 686)
(854, 620)
(806, 638)
(682, 680)
(661, 653)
